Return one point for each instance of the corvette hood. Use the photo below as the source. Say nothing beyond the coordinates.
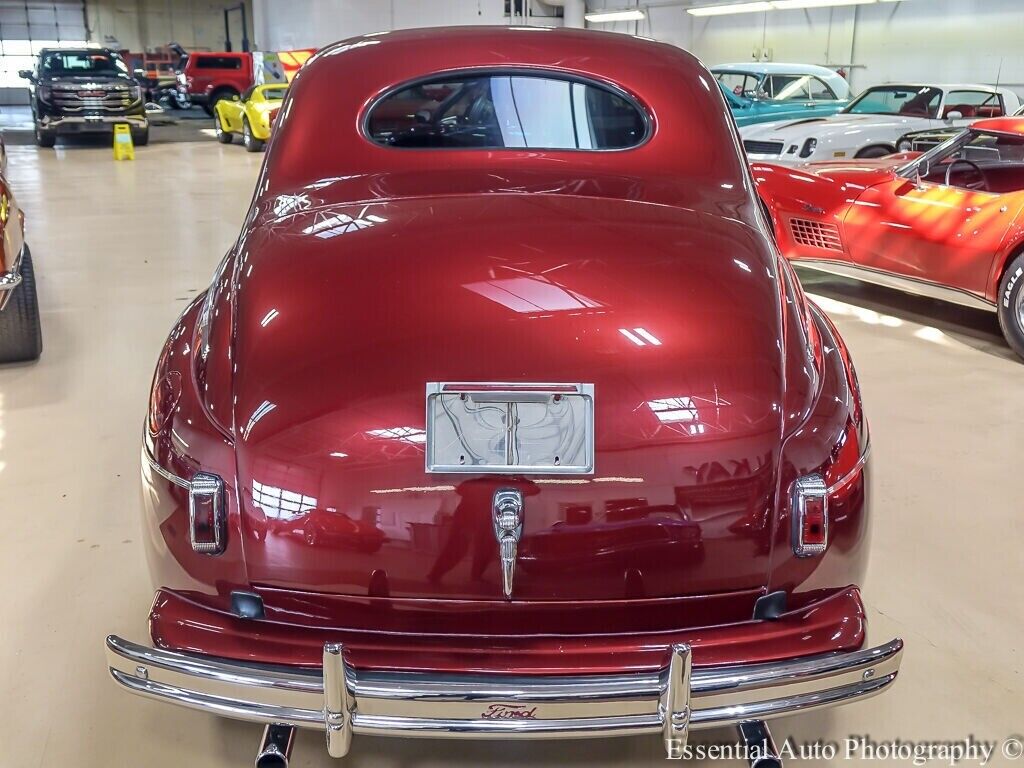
(345, 313)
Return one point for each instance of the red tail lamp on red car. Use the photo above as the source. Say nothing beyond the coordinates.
(810, 516)
(206, 514)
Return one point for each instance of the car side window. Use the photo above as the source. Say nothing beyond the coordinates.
(820, 90)
(788, 87)
(740, 84)
(974, 104)
(218, 62)
(507, 111)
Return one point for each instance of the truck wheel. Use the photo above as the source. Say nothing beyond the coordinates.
(1010, 305)
(223, 93)
(45, 139)
(141, 138)
(252, 144)
(224, 137)
(21, 336)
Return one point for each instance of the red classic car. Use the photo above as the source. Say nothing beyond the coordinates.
(540, 341)
(948, 223)
(21, 338)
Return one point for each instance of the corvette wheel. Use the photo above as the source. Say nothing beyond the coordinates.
(21, 336)
(222, 136)
(1010, 305)
(252, 144)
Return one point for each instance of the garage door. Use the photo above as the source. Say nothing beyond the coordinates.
(27, 26)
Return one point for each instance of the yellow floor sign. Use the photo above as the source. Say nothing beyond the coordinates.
(124, 149)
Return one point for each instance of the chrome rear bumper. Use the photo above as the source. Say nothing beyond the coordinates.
(670, 702)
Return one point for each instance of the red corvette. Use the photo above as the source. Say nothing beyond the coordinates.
(618, 463)
(947, 224)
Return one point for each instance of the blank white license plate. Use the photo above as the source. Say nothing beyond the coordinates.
(489, 428)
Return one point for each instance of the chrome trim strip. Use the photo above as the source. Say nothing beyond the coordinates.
(678, 698)
(166, 474)
(853, 470)
(898, 282)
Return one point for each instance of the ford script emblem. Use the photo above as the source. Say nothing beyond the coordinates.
(509, 712)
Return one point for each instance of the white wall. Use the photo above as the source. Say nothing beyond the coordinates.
(915, 40)
(144, 24)
(314, 23)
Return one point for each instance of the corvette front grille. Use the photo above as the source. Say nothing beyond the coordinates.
(816, 234)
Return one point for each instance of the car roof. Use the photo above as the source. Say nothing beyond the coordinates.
(941, 86)
(769, 67)
(73, 48)
(678, 94)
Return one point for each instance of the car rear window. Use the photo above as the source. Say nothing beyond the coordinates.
(497, 111)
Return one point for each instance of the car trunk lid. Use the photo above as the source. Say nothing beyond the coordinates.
(349, 311)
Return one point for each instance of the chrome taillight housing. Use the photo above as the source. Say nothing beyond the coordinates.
(810, 515)
(207, 518)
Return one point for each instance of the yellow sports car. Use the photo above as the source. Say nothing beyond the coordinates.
(251, 115)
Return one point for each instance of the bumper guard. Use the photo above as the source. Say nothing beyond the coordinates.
(342, 701)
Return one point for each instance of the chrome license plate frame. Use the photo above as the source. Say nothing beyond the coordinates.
(528, 428)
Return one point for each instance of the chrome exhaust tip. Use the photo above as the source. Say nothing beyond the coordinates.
(761, 749)
(275, 746)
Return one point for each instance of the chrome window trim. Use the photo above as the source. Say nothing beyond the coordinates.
(509, 71)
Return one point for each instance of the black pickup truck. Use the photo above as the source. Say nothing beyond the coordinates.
(84, 90)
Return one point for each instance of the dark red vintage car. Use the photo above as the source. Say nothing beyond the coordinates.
(948, 224)
(609, 466)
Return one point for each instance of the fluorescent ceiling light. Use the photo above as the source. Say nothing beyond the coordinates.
(631, 14)
(775, 5)
(789, 5)
(721, 10)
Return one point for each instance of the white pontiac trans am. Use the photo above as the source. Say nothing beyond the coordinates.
(871, 124)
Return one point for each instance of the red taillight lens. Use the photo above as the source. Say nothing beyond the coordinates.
(812, 494)
(206, 514)
(810, 516)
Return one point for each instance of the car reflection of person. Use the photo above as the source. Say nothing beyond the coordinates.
(471, 526)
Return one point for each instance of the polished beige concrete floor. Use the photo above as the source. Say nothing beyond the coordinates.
(119, 249)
